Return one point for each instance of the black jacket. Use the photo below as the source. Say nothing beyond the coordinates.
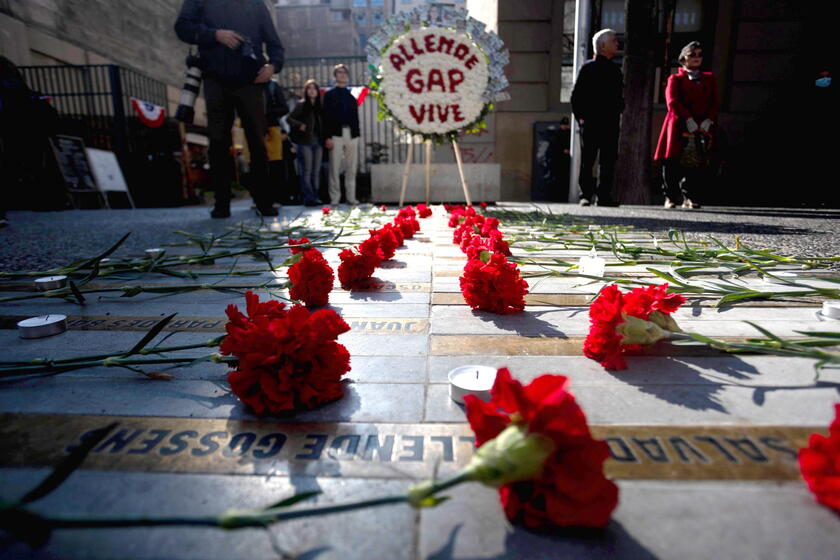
(200, 19)
(333, 101)
(598, 95)
(313, 121)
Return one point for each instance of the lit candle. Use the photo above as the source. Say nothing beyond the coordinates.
(831, 309)
(50, 282)
(471, 380)
(45, 325)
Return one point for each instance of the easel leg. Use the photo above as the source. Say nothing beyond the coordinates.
(406, 170)
(428, 169)
(457, 151)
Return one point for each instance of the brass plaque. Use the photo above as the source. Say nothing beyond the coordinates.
(190, 445)
(358, 325)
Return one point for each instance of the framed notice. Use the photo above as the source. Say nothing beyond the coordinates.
(73, 164)
(107, 172)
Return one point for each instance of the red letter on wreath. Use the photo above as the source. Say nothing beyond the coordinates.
(435, 79)
(455, 78)
(415, 86)
(397, 61)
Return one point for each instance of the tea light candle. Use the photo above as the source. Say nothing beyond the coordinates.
(154, 252)
(471, 380)
(45, 325)
(831, 309)
(592, 264)
(50, 282)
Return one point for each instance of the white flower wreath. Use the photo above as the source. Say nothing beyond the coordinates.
(436, 78)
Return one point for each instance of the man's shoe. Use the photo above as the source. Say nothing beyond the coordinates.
(669, 203)
(584, 202)
(353, 202)
(220, 213)
(688, 203)
(316, 202)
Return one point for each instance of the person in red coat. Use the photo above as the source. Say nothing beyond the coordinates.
(688, 131)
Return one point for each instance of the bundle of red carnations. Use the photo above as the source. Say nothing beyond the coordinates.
(359, 262)
(621, 322)
(490, 282)
(311, 276)
(819, 464)
(288, 358)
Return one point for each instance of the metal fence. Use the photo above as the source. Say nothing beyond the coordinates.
(382, 141)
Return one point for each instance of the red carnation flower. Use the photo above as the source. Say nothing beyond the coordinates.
(494, 243)
(397, 232)
(371, 248)
(604, 342)
(326, 210)
(301, 241)
(819, 464)
(494, 286)
(406, 212)
(355, 267)
(488, 225)
(571, 490)
(483, 205)
(288, 358)
(423, 211)
(409, 226)
(383, 208)
(387, 242)
(312, 279)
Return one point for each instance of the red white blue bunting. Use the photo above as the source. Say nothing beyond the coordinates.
(150, 114)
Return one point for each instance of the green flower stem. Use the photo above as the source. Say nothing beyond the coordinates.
(237, 519)
(111, 361)
(130, 291)
(776, 347)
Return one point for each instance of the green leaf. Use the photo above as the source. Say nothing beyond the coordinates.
(292, 259)
(288, 502)
(823, 334)
(485, 256)
(107, 252)
(68, 465)
(76, 293)
(153, 332)
(432, 501)
(764, 331)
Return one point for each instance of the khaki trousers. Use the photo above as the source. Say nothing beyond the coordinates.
(344, 148)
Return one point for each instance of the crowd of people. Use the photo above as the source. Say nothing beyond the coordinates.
(284, 147)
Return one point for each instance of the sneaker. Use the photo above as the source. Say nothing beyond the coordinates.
(669, 203)
(220, 213)
(268, 211)
(688, 203)
(584, 202)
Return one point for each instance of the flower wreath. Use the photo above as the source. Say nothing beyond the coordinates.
(437, 76)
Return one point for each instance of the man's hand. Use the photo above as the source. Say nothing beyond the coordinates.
(691, 125)
(706, 124)
(229, 38)
(302, 128)
(265, 74)
(328, 143)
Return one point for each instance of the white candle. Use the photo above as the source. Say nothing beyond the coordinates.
(154, 252)
(471, 380)
(50, 282)
(45, 325)
(831, 309)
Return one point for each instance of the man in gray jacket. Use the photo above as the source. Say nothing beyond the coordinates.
(231, 36)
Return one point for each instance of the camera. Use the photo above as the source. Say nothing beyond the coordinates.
(192, 85)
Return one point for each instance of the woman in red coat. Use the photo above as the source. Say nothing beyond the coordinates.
(687, 133)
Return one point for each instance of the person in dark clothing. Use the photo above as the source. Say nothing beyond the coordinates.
(307, 131)
(341, 130)
(597, 102)
(231, 36)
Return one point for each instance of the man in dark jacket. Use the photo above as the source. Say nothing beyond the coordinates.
(230, 35)
(597, 102)
(341, 130)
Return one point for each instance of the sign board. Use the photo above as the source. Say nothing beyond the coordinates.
(73, 163)
(106, 170)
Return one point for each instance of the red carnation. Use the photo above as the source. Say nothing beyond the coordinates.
(483, 205)
(406, 212)
(371, 248)
(326, 210)
(488, 225)
(288, 358)
(571, 490)
(605, 341)
(312, 279)
(409, 226)
(302, 241)
(397, 232)
(820, 464)
(355, 267)
(387, 242)
(494, 286)
(424, 211)
(383, 208)
(495, 244)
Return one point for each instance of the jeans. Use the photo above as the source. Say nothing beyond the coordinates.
(309, 157)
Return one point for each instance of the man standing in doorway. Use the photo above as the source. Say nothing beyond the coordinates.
(597, 102)
(230, 35)
(341, 129)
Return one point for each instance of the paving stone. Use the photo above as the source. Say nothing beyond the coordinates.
(653, 520)
(389, 531)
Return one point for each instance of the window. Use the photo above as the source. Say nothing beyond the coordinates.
(337, 16)
(377, 2)
(361, 18)
(362, 41)
(377, 18)
(360, 3)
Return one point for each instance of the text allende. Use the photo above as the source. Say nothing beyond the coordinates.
(432, 43)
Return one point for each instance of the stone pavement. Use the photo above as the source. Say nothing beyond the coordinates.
(703, 444)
